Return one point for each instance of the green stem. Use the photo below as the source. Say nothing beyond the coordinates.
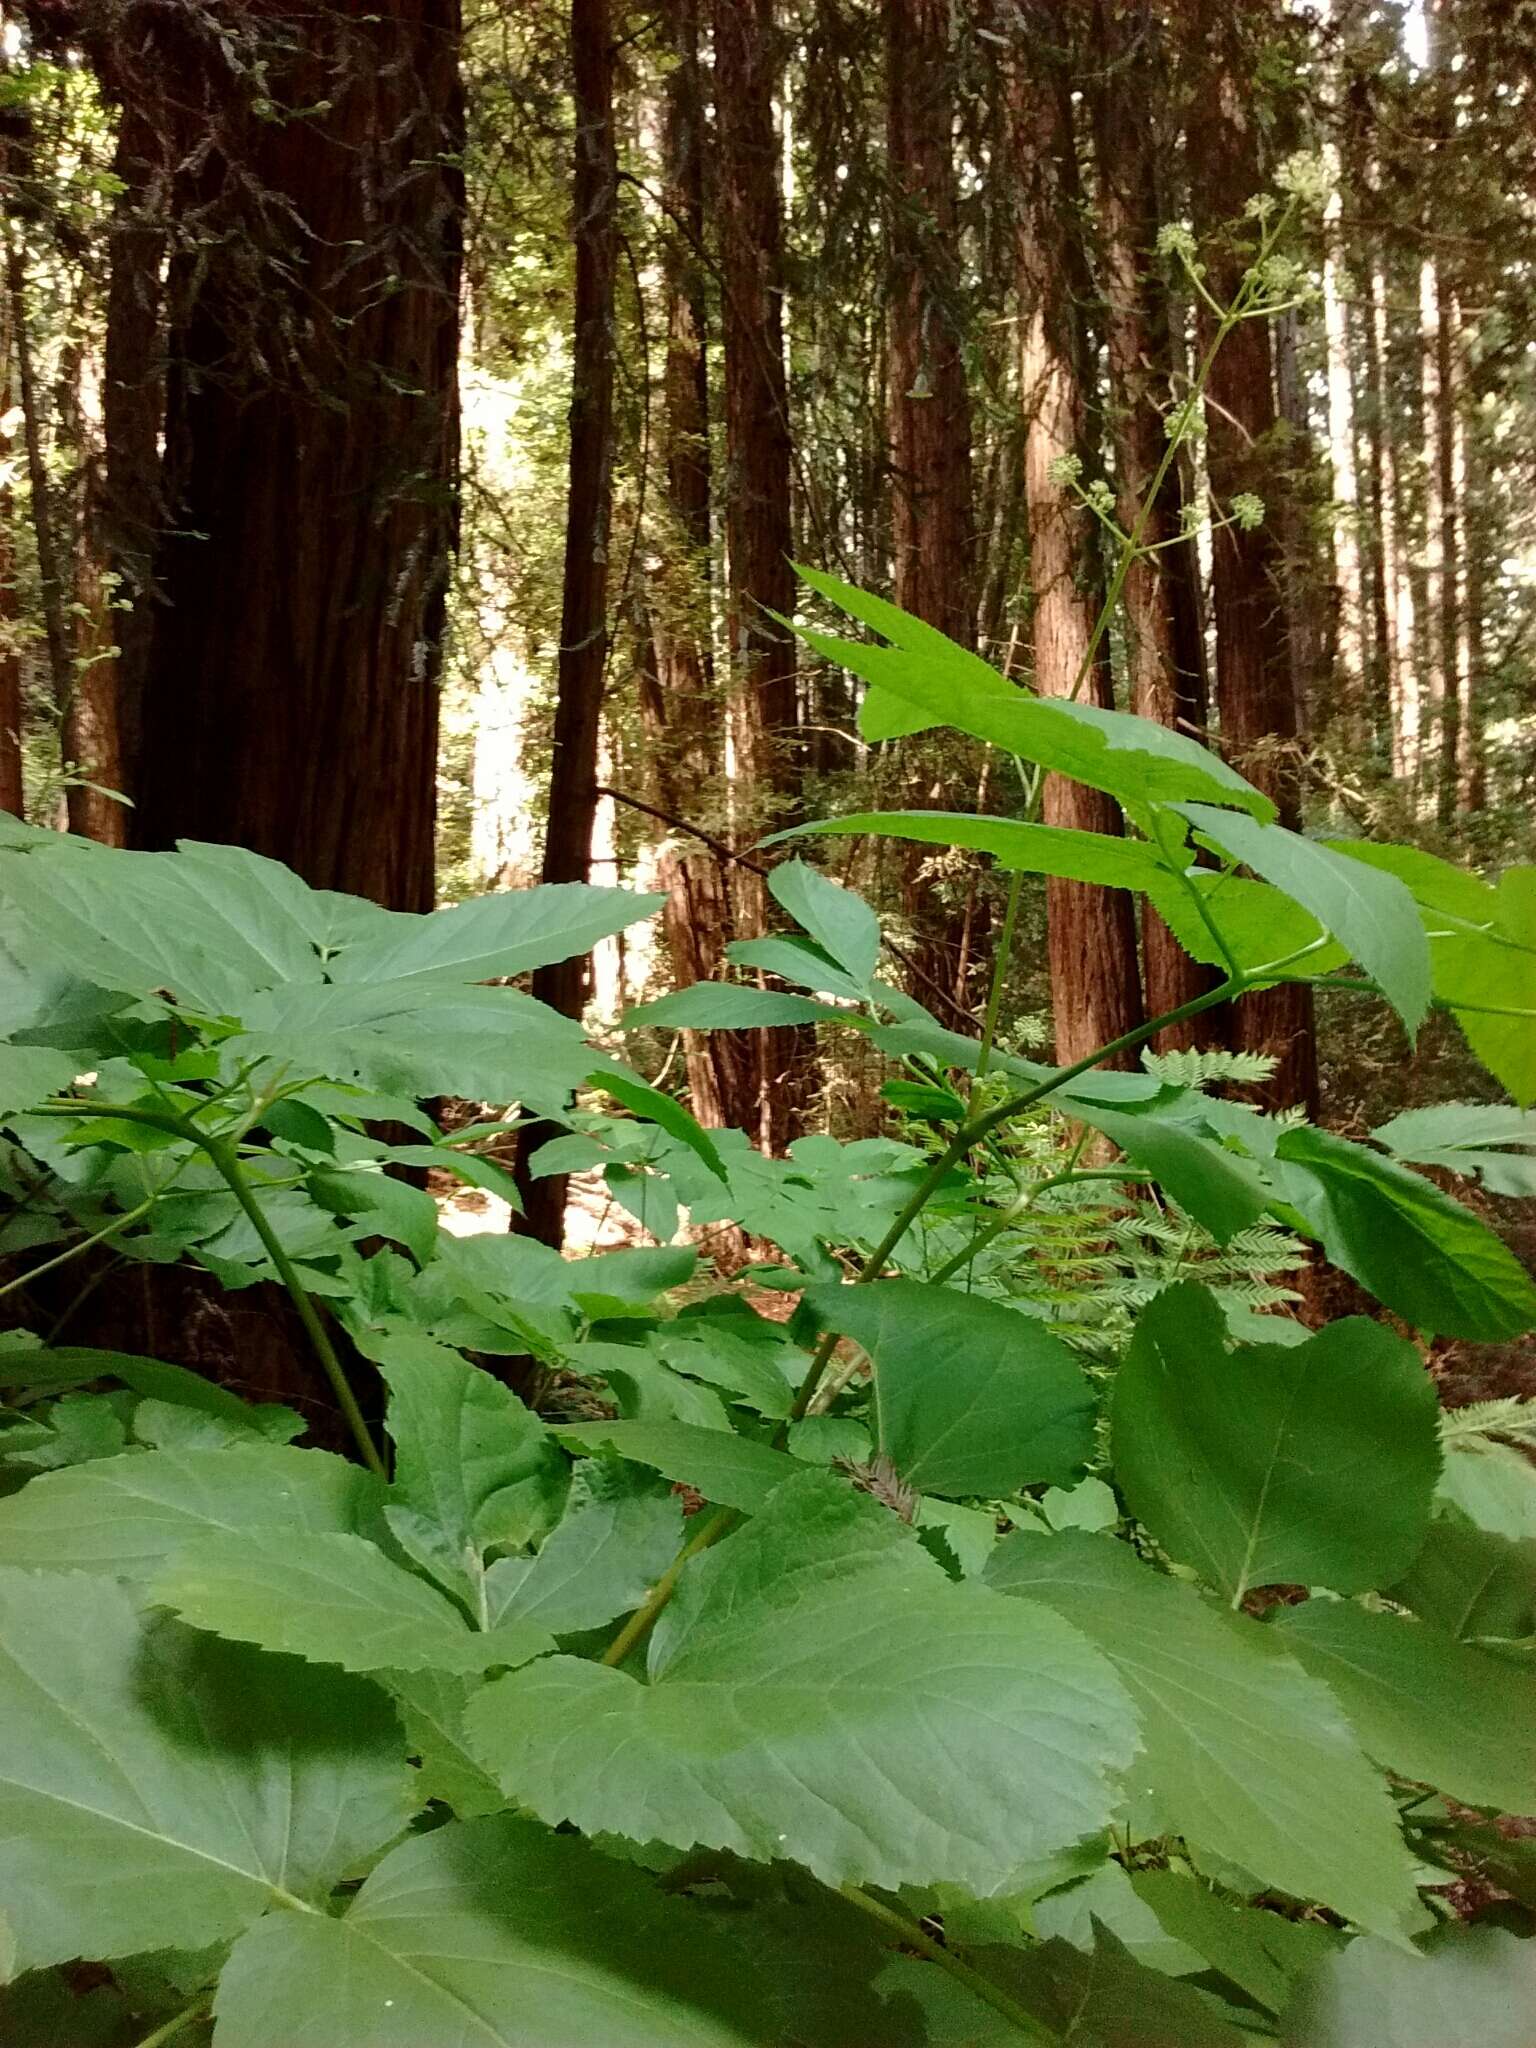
(221, 1151)
(74, 1251)
(1000, 1224)
(1000, 971)
(227, 1160)
(643, 1619)
(918, 1937)
(173, 2026)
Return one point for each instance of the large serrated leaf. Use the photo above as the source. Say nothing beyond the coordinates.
(725, 1468)
(126, 1516)
(614, 1542)
(158, 1788)
(1245, 1755)
(1101, 857)
(824, 1694)
(496, 936)
(1424, 1706)
(842, 924)
(494, 1934)
(335, 1600)
(1310, 1464)
(971, 1398)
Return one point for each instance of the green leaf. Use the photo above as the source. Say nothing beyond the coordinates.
(159, 1788)
(493, 1934)
(392, 1208)
(1261, 1952)
(663, 1111)
(1107, 1896)
(724, 1468)
(39, 1367)
(127, 1516)
(1134, 759)
(432, 1707)
(1311, 1464)
(1222, 1191)
(1474, 1987)
(600, 1561)
(1107, 1999)
(1370, 912)
(1418, 1251)
(1472, 1584)
(970, 1397)
(1116, 862)
(1491, 1140)
(338, 1600)
(795, 958)
(29, 1074)
(1425, 1707)
(1244, 1754)
(467, 1451)
(498, 936)
(723, 1006)
(821, 1692)
(1254, 924)
(840, 922)
(1494, 1487)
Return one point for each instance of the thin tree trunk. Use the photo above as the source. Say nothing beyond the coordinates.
(758, 526)
(311, 440)
(589, 505)
(933, 513)
(1445, 454)
(50, 567)
(1095, 985)
(1163, 657)
(90, 730)
(11, 780)
(679, 706)
(1255, 684)
(1349, 667)
(1403, 680)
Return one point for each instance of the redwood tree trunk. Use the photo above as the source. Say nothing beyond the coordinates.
(1255, 684)
(679, 705)
(311, 445)
(589, 504)
(11, 791)
(1163, 652)
(758, 531)
(1095, 985)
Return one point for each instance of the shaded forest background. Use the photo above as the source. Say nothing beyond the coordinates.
(412, 416)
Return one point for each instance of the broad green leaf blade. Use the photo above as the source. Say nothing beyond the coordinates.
(1494, 1486)
(29, 1074)
(1134, 759)
(1371, 913)
(1475, 1987)
(724, 1468)
(337, 1600)
(1493, 1141)
(494, 1934)
(722, 1006)
(1262, 1952)
(1244, 1754)
(663, 1111)
(1254, 923)
(1473, 1584)
(614, 1542)
(497, 936)
(126, 1516)
(466, 1448)
(158, 1788)
(795, 958)
(1310, 1464)
(1425, 1707)
(1224, 1192)
(392, 1208)
(822, 1693)
(1419, 1252)
(970, 1397)
(840, 922)
(42, 1366)
(1115, 862)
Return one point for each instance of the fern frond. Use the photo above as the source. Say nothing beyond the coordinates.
(1195, 1069)
(1512, 1419)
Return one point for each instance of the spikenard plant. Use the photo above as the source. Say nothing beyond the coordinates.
(881, 1675)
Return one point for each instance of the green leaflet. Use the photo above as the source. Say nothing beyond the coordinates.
(158, 1787)
(336, 1600)
(722, 1006)
(1311, 1464)
(725, 1468)
(795, 958)
(821, 1692)
(1370, 912)
(1471, 1583)
(392, 1208)
(1491, 1140)
(126, 1516)
(971, 1398)
(494, 1934)
(1244, 1754)
(660, 1109)
(1224, 1192)
(842, 924)
(1474, 1987)
(614, 1541)
(1254, 923)
(498, 936)
(1425, 1707)
(1494, 1486)
(937, 682)
(1117, 863)
(1262, 1952)
(1418, 1251)
(29, 1074)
